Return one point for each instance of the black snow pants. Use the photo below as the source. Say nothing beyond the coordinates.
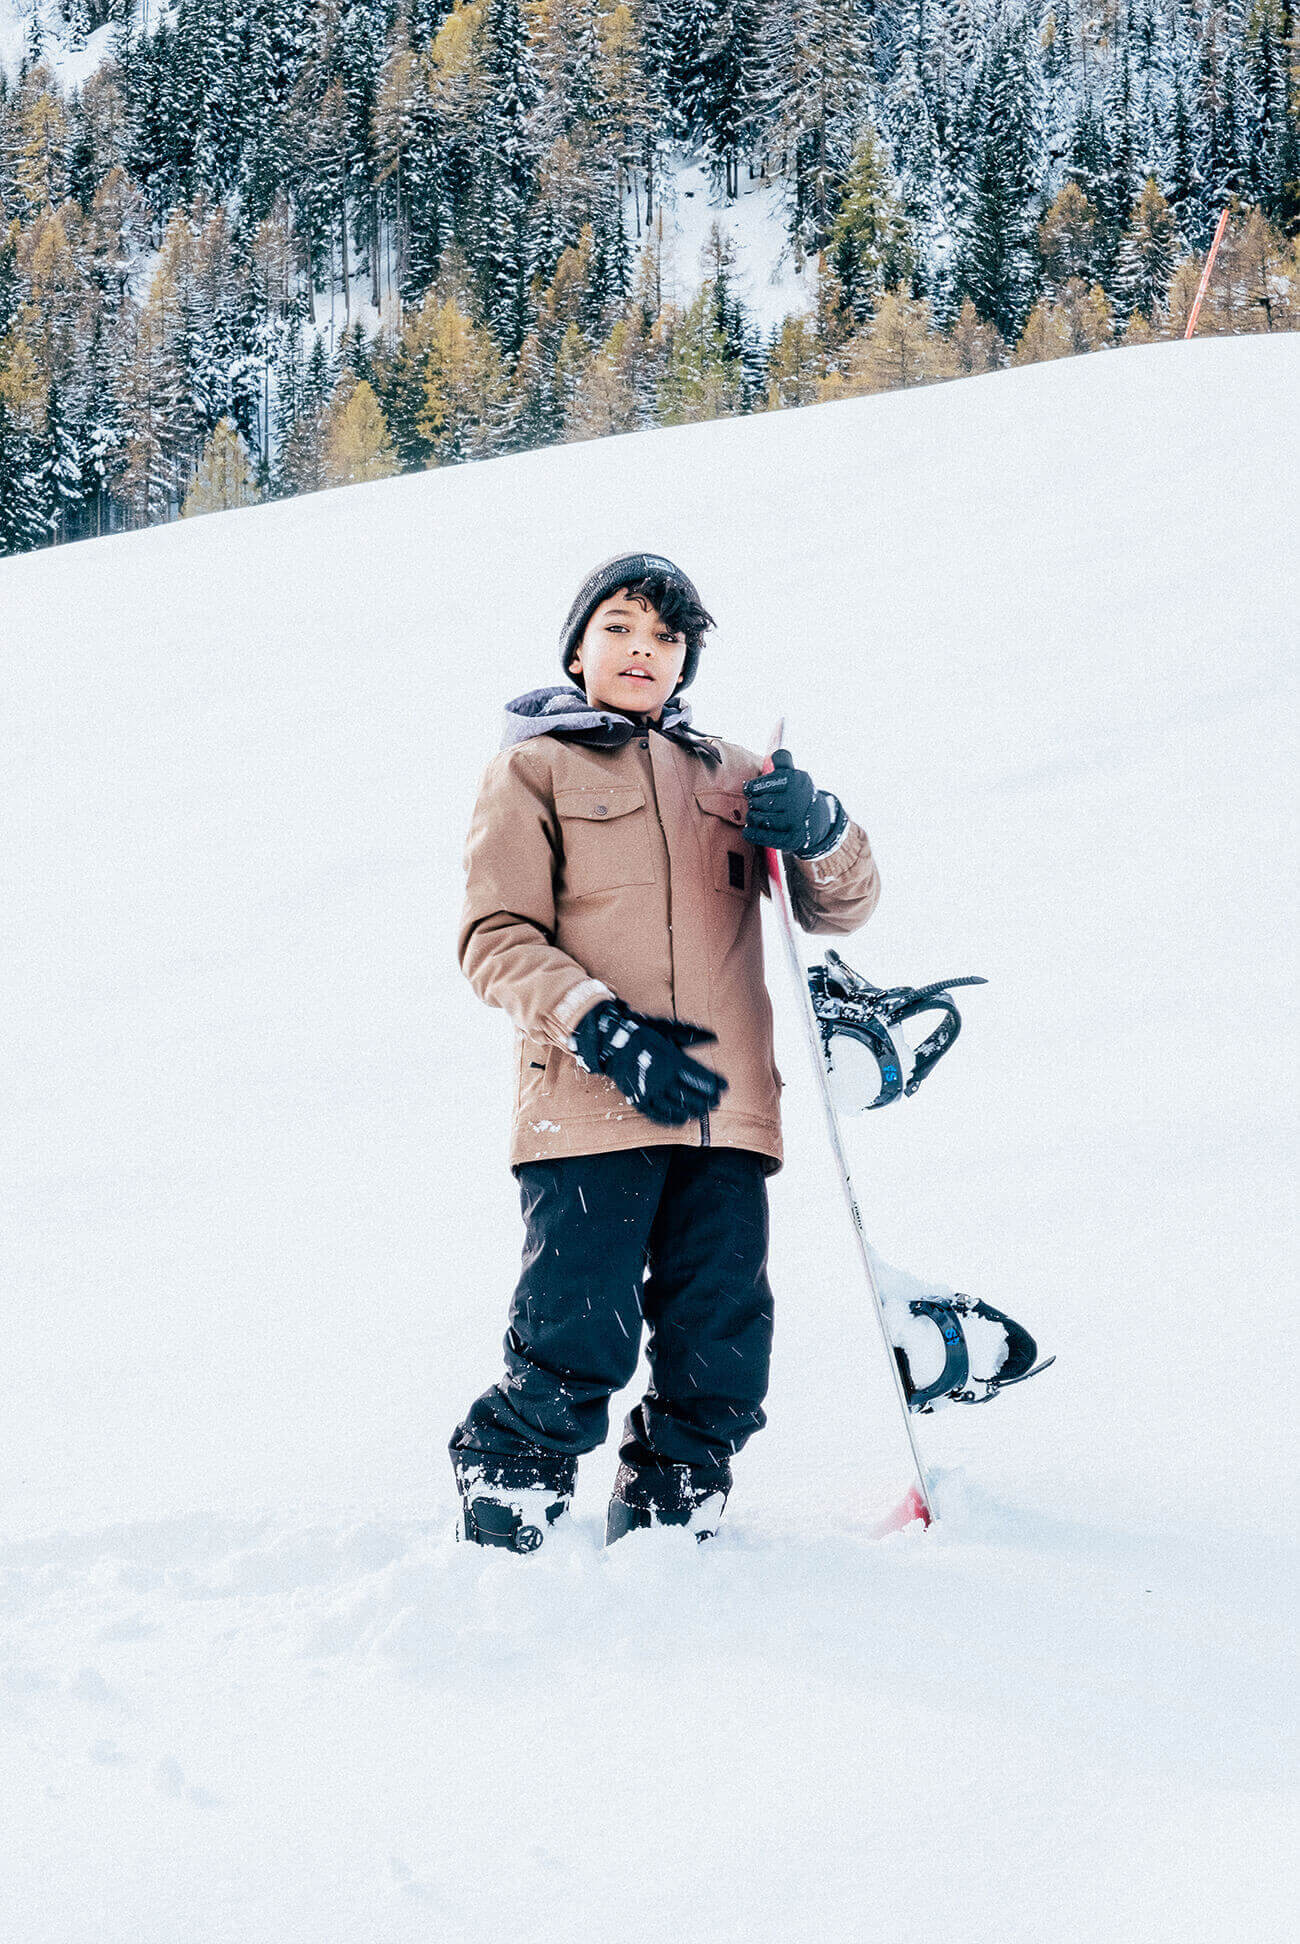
(673, 1236)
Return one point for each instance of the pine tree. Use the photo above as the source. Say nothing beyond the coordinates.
(726, 106)
(796, 365)
(40, 173)
(607, 397)
(915, 117)
(1272, 132)
(1221, 162)
(1139, 330)
(507, 165)
(625, 115)
(1089, 317)
(162, 435)
(1147, 256)
(1119, 180)
(1181, 176)
(63, 464)
(1087, 162)
(718, 262)
(699, 381)
(300, 462)
(869, 246)
(816, 59)
(998, 258)
(1252, 278)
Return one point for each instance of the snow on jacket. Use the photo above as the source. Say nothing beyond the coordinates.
(605, 858)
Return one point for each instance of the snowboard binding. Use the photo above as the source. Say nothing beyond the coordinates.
(668, 1495)
(862, 1042)
(494, 1522)
(957, 1383)
(510, 1504)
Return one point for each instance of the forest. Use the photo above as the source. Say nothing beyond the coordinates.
(271, 246)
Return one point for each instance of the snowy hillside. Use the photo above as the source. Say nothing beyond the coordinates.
(259, 1233)
(70, 53)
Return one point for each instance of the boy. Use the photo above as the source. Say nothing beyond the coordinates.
(614, 866)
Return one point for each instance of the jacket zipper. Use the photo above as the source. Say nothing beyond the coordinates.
(704, 1117)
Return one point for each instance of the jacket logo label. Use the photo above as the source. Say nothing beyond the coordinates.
(736, 869)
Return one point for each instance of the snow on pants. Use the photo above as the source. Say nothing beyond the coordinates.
(673, 1235)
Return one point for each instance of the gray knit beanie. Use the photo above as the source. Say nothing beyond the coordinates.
(618, 571)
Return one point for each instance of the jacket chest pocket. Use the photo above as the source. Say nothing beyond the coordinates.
(734, 863)
(606, 837)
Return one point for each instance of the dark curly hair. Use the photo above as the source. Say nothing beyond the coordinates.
(675, 609)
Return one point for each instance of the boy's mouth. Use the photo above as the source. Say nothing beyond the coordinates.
(638, 675)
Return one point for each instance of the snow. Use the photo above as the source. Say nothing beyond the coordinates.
(766, 278)
(71, 65)
(1036, 629)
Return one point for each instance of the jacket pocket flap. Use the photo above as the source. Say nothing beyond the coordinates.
(614, 801)
(731, 804)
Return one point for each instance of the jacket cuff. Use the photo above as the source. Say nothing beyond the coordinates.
(839, 859)
(576, 1004)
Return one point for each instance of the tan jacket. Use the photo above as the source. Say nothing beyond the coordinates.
(595, 871)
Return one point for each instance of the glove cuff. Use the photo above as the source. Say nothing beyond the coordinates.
(591, 1034)
(836, 820)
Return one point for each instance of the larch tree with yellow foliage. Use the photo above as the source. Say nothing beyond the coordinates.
(357, 448)
(900, 347)
(1046, 335)
(26, 501)
(40, 171)
(975, 344)
(1068, 238)
(446, 389)
(225, 478)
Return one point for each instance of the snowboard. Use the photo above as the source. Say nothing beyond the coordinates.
(916, 1501)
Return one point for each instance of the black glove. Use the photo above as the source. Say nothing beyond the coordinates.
(644, 1059)
(787, 812)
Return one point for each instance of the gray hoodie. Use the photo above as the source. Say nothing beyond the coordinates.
(563, 711)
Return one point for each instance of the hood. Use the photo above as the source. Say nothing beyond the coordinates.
(566, 712)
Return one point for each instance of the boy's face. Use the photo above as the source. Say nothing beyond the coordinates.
(627, 659)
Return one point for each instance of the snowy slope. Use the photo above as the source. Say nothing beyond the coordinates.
(258, 1232)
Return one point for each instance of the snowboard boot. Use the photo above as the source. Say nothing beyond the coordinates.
(511, 1502)
(666, 1495)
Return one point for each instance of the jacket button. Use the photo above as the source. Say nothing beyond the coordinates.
(602, 809)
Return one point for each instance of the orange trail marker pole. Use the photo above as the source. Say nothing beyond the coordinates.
(1205, 274)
